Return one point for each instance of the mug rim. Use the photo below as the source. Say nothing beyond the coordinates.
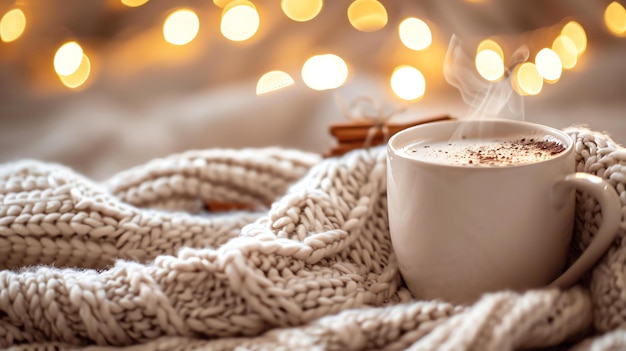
(396, 149)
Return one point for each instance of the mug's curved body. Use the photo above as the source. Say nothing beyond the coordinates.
(459, 231)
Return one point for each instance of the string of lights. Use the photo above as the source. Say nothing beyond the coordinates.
(240, 21)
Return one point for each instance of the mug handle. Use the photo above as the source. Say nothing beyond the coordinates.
(611, 217)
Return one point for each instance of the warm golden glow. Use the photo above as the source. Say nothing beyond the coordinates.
(566, 49)
(367, 15)
(408, 83)
(576, 33)
(240, 20)
(549, 65)
(301, 10)
(415, 34)
(323, 72)
(78, 77)
(489, 65)
(527, 79)
(12, 25)
(489, 44)
(615, 19)
(181, 27)
(68, 58)
(272, 81)
(221, 3)
(134, 3)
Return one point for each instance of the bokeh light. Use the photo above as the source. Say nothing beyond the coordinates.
(489, 65)
(68, 58)
(78, 77)
(240, 20)
(415, 34)
(408, 83)
(576, 33)
(134, 3)
(272, 81)
(12, 25)
(615, 19)
(490, 44)
(526, 79)
(323, 72)
(549, 65)
(566, 49)
(367, 15)
(301, 10)
(181, 27)
(221, 3)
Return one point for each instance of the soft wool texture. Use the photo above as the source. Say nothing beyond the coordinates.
(133, 262)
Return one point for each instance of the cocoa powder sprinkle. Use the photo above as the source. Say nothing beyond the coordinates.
(492, 156)
(491, 153)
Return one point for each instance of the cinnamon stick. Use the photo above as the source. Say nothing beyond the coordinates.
(358, 130)
(352, 135)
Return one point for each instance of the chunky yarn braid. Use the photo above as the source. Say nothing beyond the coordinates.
(134, 262)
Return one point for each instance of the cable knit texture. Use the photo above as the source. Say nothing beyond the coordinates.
(135, 263)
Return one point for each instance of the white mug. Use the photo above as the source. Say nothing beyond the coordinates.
(460, 231)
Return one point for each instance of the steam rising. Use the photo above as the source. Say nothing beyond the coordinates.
(485, 99)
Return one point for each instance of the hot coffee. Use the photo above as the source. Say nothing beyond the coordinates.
(487, 153)
(502, 221)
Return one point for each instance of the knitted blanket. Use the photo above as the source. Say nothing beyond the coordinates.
(134, 263)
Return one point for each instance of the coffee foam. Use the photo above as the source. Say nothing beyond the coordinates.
(512, 151)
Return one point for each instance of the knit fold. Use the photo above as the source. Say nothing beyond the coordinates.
(134, 262)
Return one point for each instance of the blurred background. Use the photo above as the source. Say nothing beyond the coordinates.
(103, 85)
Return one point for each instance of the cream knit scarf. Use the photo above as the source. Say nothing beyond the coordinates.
(133, 263)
